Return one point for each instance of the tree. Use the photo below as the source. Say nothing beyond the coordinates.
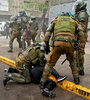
(43, 17)
(41, 7)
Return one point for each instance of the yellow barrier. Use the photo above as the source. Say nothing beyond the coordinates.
(69, 86)
(7, 61)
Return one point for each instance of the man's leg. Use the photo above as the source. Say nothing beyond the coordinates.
(28, 42)
(33, 35)
(72, 60)
(17, 77)
(23, 44)
(81, 64)
(81, 55)
(12, 37)
(48, 89)
(51, 61)
(19, 40)
(59, 78)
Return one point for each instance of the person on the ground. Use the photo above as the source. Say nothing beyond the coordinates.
(29, 68)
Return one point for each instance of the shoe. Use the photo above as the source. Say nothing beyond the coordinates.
(48, 93)
(42, 85)
(76, 80)
(81, 72)
(10, 50)
(6, 78)
(12, 70)
(61, 78)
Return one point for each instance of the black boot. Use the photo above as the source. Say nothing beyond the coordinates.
(54, 73)
(42, 85)
(81, 72)
(48, 93)
(12, 70)
(6, 78)
(76, 80)
(61, 78)
(57, 76)
(50, 85)
(10, 50)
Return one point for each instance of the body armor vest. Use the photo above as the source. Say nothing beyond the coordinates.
(31, 55)
(64, 24)
(22, 21)
(34, 26)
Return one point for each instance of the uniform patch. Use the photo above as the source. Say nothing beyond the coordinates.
(65, 19)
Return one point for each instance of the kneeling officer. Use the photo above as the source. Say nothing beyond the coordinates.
(29, 67)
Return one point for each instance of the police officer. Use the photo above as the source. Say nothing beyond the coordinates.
(82, 16)
(31, 56)
(15, 33)
(33, 28)
(26, 37)
(6, 29)
(29, 68)
(23, 21)
(63, 29)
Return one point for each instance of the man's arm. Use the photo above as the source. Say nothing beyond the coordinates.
(79, 33)
(48, 35)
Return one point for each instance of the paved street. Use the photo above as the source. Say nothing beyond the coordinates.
(15, 91)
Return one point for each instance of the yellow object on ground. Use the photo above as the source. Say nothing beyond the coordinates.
(7, 61)
(69, 86)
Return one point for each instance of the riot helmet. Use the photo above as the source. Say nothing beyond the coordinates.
(12, 18)
(33, 18)
(80, 5)
(22, 13)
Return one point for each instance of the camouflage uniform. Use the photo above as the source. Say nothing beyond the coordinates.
(26, 37)
(32, 56)
(6, 29)
(23, 21)
(30, 65)
(15, 33)
(82, 16)
(33, 30)
(63, 29)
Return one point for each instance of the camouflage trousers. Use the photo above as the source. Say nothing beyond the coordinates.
(82, 52)
(21, 77)
(15, 34)
(24, 75)
(25, 38)
(24, 43)
(59, 48)
(33, 35)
